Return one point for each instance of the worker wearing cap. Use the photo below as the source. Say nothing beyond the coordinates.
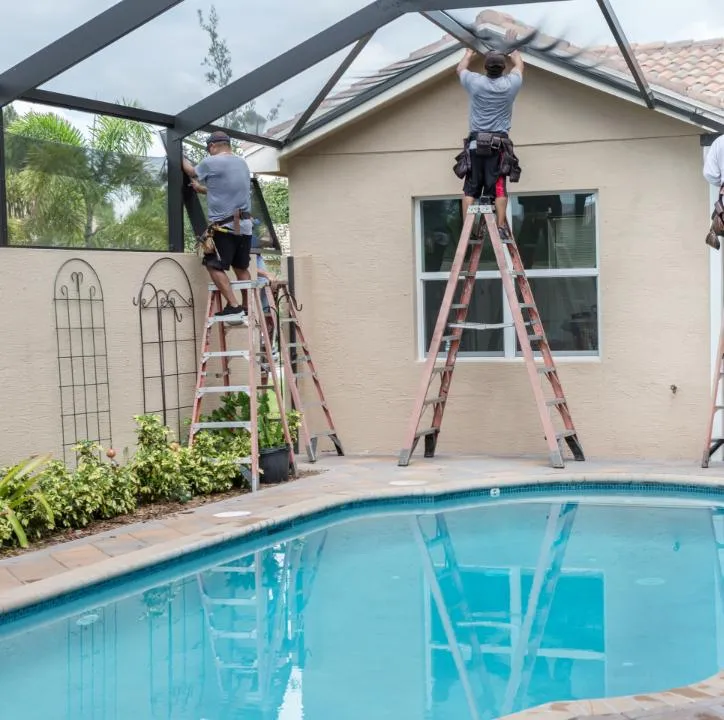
(225, 179)
(714, 174)
(491, 111)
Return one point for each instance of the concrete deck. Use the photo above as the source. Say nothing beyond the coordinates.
(45, 573)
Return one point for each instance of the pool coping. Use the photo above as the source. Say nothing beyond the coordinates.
(295, 509)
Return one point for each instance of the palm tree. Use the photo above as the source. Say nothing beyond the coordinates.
(65, 189)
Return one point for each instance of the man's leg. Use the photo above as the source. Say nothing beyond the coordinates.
(221, 280)
(243, 275)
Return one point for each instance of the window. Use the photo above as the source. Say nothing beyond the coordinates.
(557, 237)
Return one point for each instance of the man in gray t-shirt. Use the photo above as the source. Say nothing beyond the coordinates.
(491, 111)
(226, 181)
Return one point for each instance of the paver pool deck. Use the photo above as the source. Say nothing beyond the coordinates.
(28, 578)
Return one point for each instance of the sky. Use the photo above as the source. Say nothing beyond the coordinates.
(160, 65)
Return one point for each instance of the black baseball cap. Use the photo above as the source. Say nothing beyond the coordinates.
(217, 137)
(495, 61)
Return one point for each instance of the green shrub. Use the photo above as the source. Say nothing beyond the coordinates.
(157, 466)
(19, 492)
(211, 465)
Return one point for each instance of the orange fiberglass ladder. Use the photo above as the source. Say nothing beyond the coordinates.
(481, 221)
(304, 355)
(712, 444)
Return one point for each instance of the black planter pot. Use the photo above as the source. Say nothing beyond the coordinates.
(274, 464)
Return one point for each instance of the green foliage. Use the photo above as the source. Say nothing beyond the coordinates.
(276, 196)
(19, 488)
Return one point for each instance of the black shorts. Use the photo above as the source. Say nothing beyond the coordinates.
(234, 250)
(484, 179)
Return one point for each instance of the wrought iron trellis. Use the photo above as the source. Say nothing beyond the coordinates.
(168, 343)
(85, 402)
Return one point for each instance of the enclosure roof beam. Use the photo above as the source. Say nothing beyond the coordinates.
(329, 85)
(308, 53)
(453, 28)
(628, 55)
(79, 44)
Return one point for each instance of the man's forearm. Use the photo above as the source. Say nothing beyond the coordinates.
(188, 168)
(517, 60)
(465, 62)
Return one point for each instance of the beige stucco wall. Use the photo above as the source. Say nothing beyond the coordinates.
(30, 421)
(352, 228)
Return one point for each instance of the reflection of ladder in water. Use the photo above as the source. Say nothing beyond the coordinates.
(711, 443)
(303, 355)
(454, 611)
(247, 626)
(540, 600)
(300, 592)
(528, 324)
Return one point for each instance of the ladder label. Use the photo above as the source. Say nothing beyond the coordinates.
(480, 209)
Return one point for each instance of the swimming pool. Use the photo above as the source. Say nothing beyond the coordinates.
(459, 610)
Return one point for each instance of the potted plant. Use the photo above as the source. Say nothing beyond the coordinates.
(274, 452)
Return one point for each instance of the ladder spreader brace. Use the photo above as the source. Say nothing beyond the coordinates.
(479, 222)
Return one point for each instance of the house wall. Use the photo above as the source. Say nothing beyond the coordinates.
(29, 373)
(352, 221)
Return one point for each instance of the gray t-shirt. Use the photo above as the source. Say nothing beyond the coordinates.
(491, 100)
(228, 187)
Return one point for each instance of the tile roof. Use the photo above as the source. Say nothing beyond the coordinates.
(694, 69)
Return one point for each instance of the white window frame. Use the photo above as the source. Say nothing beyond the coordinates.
(509, 339)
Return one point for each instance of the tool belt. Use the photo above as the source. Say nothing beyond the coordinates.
(489, 144)
(206, 241)
(717, 222)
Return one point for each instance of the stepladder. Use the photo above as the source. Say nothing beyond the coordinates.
(433, 393)
(298, 364)
(714, 430)
(240, 340)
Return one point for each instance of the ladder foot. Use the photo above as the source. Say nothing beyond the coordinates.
(404, 459)
(575, 447)
(557, 460)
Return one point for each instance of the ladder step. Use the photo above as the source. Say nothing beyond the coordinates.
(287, 320)
(223, 389)
(526, 306)
(435, 401)
(555, 401)
(324, 433)
(422, 433)
(465, 274)
(239, 635)
(535, 338)
(449, 338)
(220, 425)
(438, 369)
(225, 354)
(517, 273)
(545, 369)
(231, 602)
(480, 326)
(233, 319)
(240, 285)
(459, 306)
(565, 434)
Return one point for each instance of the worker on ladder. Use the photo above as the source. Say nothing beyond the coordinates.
(714, 174)
(225, 179)
(488, 156)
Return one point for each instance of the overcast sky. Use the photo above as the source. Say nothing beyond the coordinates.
(159, 65)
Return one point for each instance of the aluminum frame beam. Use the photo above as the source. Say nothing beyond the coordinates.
(4, 231)
(77, 45)
(308, 53)
(328, 86)
(628, 55)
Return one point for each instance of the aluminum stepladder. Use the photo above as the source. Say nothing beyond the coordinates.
(712, 444)
(301, 346)
(547, 573)
(479, 222)
(255, 326)
(455, 614)
(247, 624)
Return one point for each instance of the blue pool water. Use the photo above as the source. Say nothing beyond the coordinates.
(468, 613)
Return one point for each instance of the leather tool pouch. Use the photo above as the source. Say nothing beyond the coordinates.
(462, 162)
(206, 242)
(717, 217)
(484, 144)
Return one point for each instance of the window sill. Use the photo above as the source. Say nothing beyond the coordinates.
(558, 359)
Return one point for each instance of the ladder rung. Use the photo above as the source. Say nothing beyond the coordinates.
(220, 425)
(435, 401)
(475, 241)
(238, 635)
(240, 285)
(535, 338)
(459, 306)
(224, 354)
(287, 320)
(517, 273)
(231, 602)
(546, 369)
(479, 209)
(238, 319)
(429, 431)
(295, 345)
(526, 306)
(449, 338)
(464, 274)
(480, 326)
(324, 433)
(223, 389)
(442, 368)
(565, 434)
(555, 401)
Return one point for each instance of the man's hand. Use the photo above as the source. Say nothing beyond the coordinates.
(511, 35)
(198, 187)
(465, 62)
